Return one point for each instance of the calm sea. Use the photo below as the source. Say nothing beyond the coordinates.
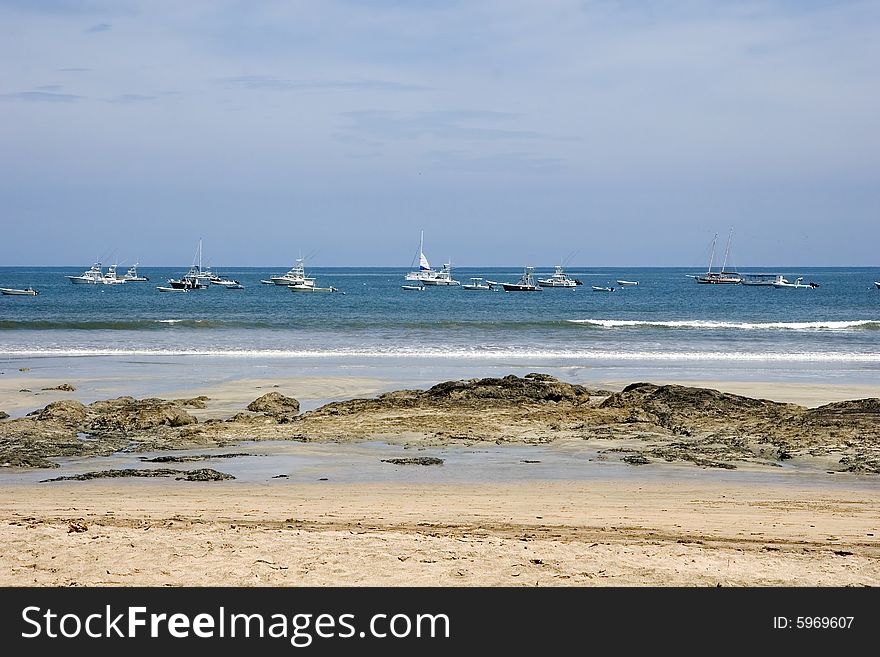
(667, 321)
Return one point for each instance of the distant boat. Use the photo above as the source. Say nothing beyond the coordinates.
(93, 276)
(110, 277)
(476, 284)
(296, 275)
(782, 282)
(413, 288)
(132, 276)
(723, 276)
(622, 282)
(12, 291)
(558, 279)
(194, 279)
(760, 279)
(877, 283)
(600, 288)
(526, 283)
(163, 288)
(442, 277)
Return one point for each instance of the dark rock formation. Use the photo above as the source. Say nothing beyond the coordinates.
(203, 474)
(418, 460)
(274, 403)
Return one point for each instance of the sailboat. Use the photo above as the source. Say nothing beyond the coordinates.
(723, 276)
(424, 271)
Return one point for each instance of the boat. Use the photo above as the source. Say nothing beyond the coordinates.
(623, 282)
(194, 279)
(93, 276)
(413, 288)
(722, 277)
(424, 267)
(442, 277)
(427, 276)
(601, 288)
(296, 275)
(228, 283)
(110, 277)
(760, 279)
(311, 288)
(877, 283)
(13, 291)
(476, 284)
(163, 288)
(132, 276)
(526, 283)
(558, 279)
(782, 282)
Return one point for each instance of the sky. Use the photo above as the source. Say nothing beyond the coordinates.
(512, 132)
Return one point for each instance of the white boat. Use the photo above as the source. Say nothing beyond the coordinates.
(163, 288)
(877, 283)
(442, 277)
(622, 282)
(311, 288)
(110, 277)
(194, 279)
(413, 288)
(93, 276)
(296, 275)
(558, 279)
(228, 283)
(782, 282)
(476, 284)
(13, 291)
(601, 288)
(722, 277)
(526, 283)
(132, 276)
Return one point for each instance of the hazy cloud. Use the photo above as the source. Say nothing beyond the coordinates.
(100, 27)
(453, 124)
(129, 99)
(282, 84)
(40, 97)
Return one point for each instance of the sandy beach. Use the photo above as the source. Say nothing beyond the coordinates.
(707, 528)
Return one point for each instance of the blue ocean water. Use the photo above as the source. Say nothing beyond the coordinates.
(668, 320)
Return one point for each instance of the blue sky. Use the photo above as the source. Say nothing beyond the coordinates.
(513, 132)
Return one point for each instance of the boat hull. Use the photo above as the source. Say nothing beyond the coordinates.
(18, 293)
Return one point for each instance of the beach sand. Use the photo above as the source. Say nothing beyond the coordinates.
(607, 533)
(698, 531)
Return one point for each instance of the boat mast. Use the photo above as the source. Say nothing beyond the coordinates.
(712, 254)
(727, 250)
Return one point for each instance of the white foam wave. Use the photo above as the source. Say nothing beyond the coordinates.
(458, 353)
(711, 324)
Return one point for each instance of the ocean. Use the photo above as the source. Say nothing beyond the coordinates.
(666, 327)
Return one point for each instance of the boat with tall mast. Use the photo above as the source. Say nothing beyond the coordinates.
(424, 270)
(723, 276)
(194, 279)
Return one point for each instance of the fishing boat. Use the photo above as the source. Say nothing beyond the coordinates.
(12, 291)
(194, 279)
(526, 283)
(558, 279)
(722, 277)
(476, 284)
(413, 288)
(296, 275)
(442, 277)
(623, 282)
(601, 288)
(93, 276)
(132, 276)
(110, 277)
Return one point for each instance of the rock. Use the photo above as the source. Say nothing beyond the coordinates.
(635, 459)
(419, 460)
(274, 403)
(77, 527)
(64, 387)
(24, 369)
(204, 474)
(195, 457)
(68, 413)
(128, 414)
(3, 415)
